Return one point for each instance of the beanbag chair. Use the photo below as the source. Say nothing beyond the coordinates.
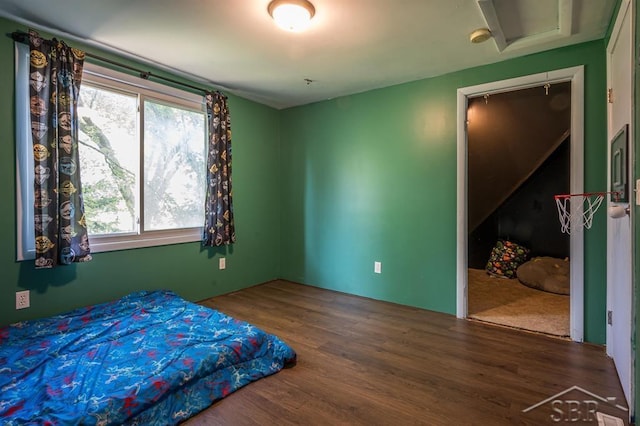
(546, 273)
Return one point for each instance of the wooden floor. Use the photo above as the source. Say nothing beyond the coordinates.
(365, 362)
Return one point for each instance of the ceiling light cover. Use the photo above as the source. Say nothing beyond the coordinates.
(292, 15)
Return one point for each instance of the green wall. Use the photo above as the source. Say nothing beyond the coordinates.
(185, 268)
(362, 178)
(372, 177)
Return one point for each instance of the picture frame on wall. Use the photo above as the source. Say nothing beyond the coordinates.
(619, 166)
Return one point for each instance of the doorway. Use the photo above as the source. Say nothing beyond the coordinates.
(574, 76)
(518, 145)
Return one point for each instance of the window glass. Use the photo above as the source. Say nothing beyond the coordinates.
(109, 159)
(174, 167)
(142, 160)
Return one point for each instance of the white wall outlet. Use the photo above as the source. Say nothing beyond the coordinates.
(222, 263)
(22, 299)
(377, 267)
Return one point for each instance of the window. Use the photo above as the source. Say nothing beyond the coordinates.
(142, 160)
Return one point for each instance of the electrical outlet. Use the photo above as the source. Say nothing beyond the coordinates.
(377, 267)
(22, 299)
(222, 263)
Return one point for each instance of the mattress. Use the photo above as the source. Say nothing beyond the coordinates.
(150, 357)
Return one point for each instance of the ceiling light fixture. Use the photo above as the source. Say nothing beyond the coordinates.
(292, 15)
(480, 35)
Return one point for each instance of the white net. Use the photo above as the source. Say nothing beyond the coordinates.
(580, 214)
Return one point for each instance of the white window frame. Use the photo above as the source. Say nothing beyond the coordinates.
(110, 79)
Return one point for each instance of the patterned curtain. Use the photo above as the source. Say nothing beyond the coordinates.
(60, 229)
(219, 227)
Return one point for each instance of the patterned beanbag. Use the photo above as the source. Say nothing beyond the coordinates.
(505, 258)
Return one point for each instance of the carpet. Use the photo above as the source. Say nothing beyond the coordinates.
(510, 303)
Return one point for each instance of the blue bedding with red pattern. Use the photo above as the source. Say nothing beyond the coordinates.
(147, 358)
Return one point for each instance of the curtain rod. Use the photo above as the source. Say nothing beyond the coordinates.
(22, 37)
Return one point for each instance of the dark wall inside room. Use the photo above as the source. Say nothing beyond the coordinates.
(529, 216)
(510, 135)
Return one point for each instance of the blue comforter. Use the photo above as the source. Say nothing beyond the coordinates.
(148, 358)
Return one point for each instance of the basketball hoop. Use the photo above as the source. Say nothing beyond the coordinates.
(579, 213)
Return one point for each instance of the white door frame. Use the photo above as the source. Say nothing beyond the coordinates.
(576, 76)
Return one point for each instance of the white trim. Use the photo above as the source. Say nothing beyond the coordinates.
(102, 243)
(576, 252)
(491, 18)
(462, 265)
(576, 76)
(111, 78)
(25, 235)
(565, 17)
(617, 26)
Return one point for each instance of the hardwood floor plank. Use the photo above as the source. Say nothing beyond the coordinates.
(366, 362)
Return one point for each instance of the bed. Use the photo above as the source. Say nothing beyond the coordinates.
(150, 357)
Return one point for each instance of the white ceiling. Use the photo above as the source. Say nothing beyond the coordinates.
(351, 46)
